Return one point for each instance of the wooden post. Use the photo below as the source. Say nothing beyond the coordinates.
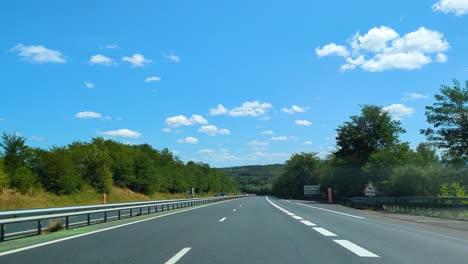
(104, 198)
(330, 196)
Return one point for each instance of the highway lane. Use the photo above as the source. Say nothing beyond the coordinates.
(253, 230)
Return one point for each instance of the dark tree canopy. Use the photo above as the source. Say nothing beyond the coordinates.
(448, 118)
(371, 131)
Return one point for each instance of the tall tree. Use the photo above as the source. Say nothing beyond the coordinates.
(15, 151)
(448, 117)
(371, 131)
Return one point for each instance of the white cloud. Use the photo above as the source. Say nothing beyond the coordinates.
(332, 49)
(307, 143)
(257, 143)
(303, 123)
(153, 79)
(137, 60)
(459, 7)
(398, 111)
(167, 130)
(280, 138)
(188, 140)
(381, 48)
(212, 130)
(38, 54)
(172, 57)
(376, 39)
(413, 96)
(181, 120)
(293, 109)
(101, 60)
(219, 110)
(127, 133)
(407, 61)
(90, 85)
(88, 114)
(267, 132)
(442, 58)
(254, 108)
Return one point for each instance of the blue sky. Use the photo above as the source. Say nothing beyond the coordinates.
(223, 82)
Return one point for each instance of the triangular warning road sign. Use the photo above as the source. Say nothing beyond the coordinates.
(370, 187)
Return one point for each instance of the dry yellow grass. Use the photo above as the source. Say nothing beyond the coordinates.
(11, 199)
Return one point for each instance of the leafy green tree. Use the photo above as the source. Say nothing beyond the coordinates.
(300, 169)
(371, 131)
(4, 180)
(448, 117)
(15, 151)
(24, 180)
(56, 171)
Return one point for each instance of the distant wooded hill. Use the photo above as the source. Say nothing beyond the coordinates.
(254, 178)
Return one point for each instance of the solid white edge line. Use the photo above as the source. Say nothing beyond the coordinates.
(178, 256)
(331, 211)
(291, 214)
(102, 230)
(297, 217)
(324, 231)
(222, 219)
(307, 223)
(362, 252)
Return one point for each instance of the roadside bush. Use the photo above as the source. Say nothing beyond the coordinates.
(54, 226)
(24, 180)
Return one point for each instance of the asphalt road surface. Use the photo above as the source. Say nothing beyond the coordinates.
(258, 230)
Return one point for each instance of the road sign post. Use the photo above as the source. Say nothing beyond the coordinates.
(311, 190)
(370, 189)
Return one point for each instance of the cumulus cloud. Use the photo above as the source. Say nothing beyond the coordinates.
(212, 130)
(267, 132)
(153, 79)
(254, 108)
(332, 49)
(382, 48)
(172, 57)
(38, 54)
(303, 123)
(181, 120)
(137, 60)
(458, 7)
(307, 143)
(219, 110)
(89, 85)
(398, 111)
(127, 133)
(188, 140)
(101, 60)
(87, 114)
(293, 109)
(167, 130)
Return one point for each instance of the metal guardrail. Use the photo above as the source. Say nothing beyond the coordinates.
(55, 210)
(151, 207)
(408, 201)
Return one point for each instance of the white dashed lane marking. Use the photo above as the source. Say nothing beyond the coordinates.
(362, 252)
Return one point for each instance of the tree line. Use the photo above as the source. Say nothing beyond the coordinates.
(368, 148)
(100, 164)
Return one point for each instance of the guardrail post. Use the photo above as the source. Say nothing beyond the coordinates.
(119, 215)
(105, 216)
(39, 227)
(2, 232)
(89, 219)
(140, 211)
(67, 222)
(155, 208)
(131, 212)
(149, 210)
